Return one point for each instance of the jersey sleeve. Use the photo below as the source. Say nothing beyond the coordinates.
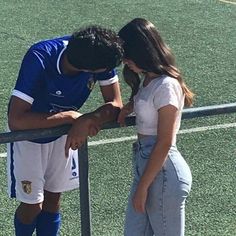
(168, 94)
(107, 77)
(29, 77)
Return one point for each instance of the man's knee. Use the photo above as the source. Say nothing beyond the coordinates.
(26, 213)
(51, 202)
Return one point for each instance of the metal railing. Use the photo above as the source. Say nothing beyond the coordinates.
(9, 137)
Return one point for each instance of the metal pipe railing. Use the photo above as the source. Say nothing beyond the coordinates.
(9, 137)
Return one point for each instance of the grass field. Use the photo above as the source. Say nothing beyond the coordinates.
(203, 37)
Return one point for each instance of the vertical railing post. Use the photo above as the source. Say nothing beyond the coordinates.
(84, 190)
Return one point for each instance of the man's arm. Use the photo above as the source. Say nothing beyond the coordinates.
(110, 110)
(20, 116)
(89, 124)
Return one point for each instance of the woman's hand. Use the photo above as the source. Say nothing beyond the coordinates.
(125, 111)
(139, 199)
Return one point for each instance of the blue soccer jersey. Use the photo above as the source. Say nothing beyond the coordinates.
(41, 83)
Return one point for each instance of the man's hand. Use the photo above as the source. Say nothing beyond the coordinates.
(82, 128)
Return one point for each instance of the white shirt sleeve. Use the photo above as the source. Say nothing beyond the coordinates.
(169, 93)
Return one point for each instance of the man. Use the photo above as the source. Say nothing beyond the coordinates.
(55, 79)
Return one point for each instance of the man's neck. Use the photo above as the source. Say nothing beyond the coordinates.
(66, 67)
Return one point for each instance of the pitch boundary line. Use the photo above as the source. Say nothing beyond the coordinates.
(183, 131)
(230, 2)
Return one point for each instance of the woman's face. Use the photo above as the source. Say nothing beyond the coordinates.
(132, 66)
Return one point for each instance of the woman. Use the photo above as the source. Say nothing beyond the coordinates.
(162, 178)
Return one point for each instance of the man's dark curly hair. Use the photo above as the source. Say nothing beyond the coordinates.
(94, 48)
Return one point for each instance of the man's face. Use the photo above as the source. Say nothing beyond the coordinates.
(70, 69)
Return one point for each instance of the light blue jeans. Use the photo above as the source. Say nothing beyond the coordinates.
(165, 206)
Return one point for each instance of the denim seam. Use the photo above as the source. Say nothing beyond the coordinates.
(146, 228)
(163, 205)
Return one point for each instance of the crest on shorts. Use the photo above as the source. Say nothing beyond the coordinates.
(26, 186)
(90, 84)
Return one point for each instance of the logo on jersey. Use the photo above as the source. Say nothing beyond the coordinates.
(58, 92)
(26, 186)
(90, 84)
(58, 108)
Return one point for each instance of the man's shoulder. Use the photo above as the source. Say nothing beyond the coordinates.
(48, 49)
(51, 44)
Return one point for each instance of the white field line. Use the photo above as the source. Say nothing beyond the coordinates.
(4, 154)
(183, 131)
(230, 2)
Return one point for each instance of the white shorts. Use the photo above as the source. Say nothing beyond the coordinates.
(33, 168)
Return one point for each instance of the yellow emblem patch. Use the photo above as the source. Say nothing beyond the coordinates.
(26, 186)
(90, 84)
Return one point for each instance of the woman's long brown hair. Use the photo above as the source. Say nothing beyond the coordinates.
(145, 47)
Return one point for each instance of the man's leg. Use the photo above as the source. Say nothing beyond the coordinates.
(25, 219)
(49, 220)
(61, 175)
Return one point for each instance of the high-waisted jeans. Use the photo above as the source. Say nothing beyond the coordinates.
(165, 205)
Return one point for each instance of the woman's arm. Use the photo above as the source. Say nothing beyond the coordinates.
(126, 110)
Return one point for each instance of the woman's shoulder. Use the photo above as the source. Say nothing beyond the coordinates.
(168, 91)
(165, 81)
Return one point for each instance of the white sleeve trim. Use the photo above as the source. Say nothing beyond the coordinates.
(108, 81)
(22, 96)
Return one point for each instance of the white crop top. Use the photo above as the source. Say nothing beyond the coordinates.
(158, 93)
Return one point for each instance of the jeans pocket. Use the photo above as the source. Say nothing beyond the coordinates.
(182, 169)
(146, 150)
